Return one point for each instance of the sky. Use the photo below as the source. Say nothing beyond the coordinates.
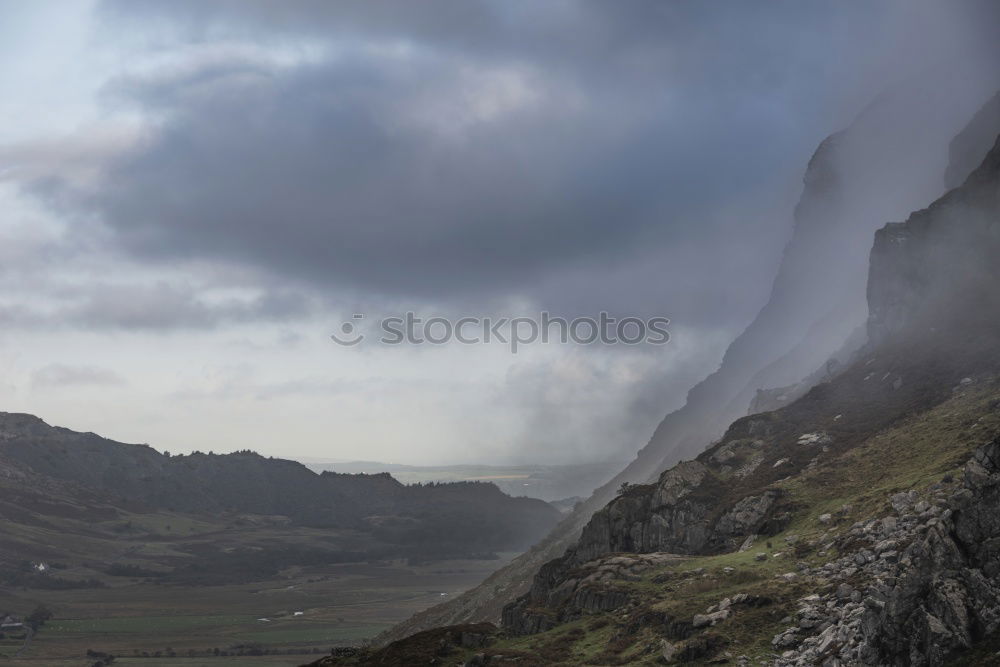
(195, 195)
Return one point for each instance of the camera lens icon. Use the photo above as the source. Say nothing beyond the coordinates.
(349, 335)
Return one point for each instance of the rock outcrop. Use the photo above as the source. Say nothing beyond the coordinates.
(688, 511)
(884, 165)
(815, 313)
(967, 150)
(680, 515)
(947, 594)
(926, 584)
(937, 272)
(932, 573)
(561, 593)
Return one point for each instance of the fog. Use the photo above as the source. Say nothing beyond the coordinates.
(197, 194)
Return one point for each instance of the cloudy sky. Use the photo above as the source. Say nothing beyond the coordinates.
(194, 195)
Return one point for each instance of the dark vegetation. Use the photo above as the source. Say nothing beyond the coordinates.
(23, 575)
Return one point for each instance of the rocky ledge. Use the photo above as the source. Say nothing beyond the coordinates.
(920, 587)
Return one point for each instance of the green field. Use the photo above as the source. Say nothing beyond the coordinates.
(151, 625)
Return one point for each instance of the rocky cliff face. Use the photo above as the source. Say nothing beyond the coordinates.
(918, 586)
(914, 587)
(967, 150)
(929, 571)
(946, 590)
(937, 272)
(887, 578)
(886, 163)
(679, 514)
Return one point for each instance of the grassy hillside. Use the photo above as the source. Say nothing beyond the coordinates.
(146, 582)
(923, 451)
(430, 519)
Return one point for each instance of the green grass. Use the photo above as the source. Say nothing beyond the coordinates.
(312, 635)
(918, 452)
(910, 453)
(914, 453)
(143, 624)
(254, 661)
(343, 604)
(164, 524)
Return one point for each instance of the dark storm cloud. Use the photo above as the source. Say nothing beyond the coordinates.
(472, 149)
(312, 173)
(511, 140)
(320, 173)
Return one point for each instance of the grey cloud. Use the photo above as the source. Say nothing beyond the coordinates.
(155, 307)
(305, 387)
(323, 180)
(163, 306)
(20, 316)
(551, 397)
(62, 375)
(469, 150)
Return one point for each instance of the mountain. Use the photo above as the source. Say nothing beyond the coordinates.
(969, 147)
(889, 160)
(545, 482)
(856, 525)
(48, 472)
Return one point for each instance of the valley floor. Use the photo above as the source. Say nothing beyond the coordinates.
(144, 623)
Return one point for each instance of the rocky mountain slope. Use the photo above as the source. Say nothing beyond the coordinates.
(970, 146)
(887, 162)
(934, 325)
(855, 526)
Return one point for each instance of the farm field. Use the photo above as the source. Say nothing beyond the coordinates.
(301, 612)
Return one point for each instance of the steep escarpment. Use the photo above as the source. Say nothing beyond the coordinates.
(916, 587)
(885, 164)
(745, 490)
(967, 150)
(936, 274)
(888, 162)
(855, 525)
(878, 560)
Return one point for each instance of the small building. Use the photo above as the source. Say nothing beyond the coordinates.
(10, 622)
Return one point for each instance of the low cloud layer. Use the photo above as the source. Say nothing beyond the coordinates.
(236, 167)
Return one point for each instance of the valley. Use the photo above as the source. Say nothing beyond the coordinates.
(138, 554)
(731, 272)
(339, 604)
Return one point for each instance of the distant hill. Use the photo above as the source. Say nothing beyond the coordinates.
(390, 518)
(546, 482)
